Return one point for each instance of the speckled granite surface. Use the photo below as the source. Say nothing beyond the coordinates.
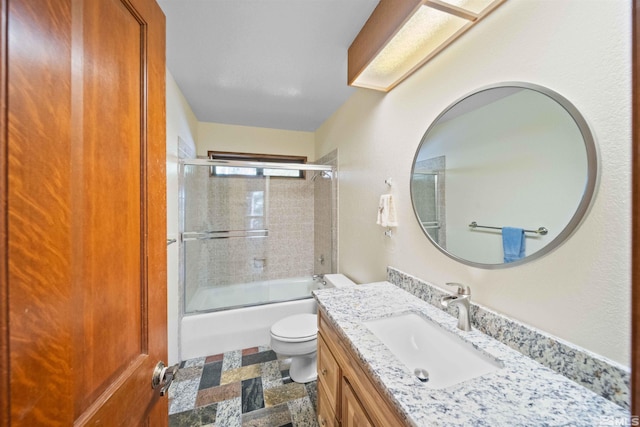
(600, 375)
(522, 393)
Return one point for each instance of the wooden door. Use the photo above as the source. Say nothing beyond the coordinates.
(83, 223)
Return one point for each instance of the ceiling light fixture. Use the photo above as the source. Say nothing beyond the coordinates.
(401, 36)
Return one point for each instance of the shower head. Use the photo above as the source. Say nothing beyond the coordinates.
(322, 174)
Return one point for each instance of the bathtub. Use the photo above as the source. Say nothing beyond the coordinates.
(252, 293)
(210, 333)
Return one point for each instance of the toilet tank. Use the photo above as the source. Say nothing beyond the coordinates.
(338, 281)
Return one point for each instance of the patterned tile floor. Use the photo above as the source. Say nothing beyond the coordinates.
(240, 388)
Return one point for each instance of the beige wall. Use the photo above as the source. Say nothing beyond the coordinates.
(578, 48)
(247, 139)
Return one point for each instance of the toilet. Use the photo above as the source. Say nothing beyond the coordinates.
(296, 337)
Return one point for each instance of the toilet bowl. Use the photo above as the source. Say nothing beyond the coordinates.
(296, 337)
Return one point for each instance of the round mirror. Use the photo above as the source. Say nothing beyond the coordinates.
(504, 175)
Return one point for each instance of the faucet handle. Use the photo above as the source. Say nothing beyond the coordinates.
(462, 289)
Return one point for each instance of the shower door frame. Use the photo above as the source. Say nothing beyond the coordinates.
(252, 164)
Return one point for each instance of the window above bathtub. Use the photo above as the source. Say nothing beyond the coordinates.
(257, 171)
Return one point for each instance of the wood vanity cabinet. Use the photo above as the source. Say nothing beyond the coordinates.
(328, 386)
(347, 397)
(353, 414)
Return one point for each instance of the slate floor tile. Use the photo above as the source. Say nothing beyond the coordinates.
(241, 388)
(198, 417)
(211, 374)
(214, 358)
(277, 395)
(240, 374)
(218, 394)
(248, 351)
(275, 416)
(252, 359)
(252, 397)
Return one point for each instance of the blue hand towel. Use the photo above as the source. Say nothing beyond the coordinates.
(513, 243)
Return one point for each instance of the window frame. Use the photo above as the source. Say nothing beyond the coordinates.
(254, 157)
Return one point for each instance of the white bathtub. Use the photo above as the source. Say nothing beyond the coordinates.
(205, 334)
(252, 293)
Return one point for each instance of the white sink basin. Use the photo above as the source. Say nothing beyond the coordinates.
(421, 344)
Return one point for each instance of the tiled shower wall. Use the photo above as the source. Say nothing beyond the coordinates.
(293, 209)
(289, 247)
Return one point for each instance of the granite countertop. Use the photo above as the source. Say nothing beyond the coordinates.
(522, 393)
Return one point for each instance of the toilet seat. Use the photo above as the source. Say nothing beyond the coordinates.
(296, 328)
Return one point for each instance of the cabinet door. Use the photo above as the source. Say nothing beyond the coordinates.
(326, 414)
(353, 414)
(328, 374)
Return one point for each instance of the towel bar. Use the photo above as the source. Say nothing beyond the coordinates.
(223, 234)
(541, 230)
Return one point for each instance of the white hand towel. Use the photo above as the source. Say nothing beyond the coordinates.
(387, 212)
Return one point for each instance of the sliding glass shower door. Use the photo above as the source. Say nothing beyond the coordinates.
(249, 234)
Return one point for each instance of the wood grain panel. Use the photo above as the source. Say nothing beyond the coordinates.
(134, 134)
(4, 282)
(325, 410)
(132, 391)
(112, 228)
(353, 414)
(85, 212)
(385, 20)
(155, 327)
(38, 212)
(328, 374)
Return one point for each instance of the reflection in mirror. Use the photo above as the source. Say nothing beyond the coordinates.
(428, 188)
(516, 156)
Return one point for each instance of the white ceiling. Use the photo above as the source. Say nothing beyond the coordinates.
(269, 63)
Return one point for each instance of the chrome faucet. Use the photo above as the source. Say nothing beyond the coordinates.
(461, 299)
(319, 278)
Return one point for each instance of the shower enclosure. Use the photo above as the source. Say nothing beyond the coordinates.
(254, 233)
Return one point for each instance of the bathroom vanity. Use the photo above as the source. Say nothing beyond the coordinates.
(346, 393)
(362, 382)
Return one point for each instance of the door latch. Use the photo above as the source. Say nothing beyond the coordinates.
(163, 376)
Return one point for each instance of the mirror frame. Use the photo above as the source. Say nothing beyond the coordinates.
(588, 195)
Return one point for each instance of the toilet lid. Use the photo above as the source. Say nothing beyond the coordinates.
(299, 327)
